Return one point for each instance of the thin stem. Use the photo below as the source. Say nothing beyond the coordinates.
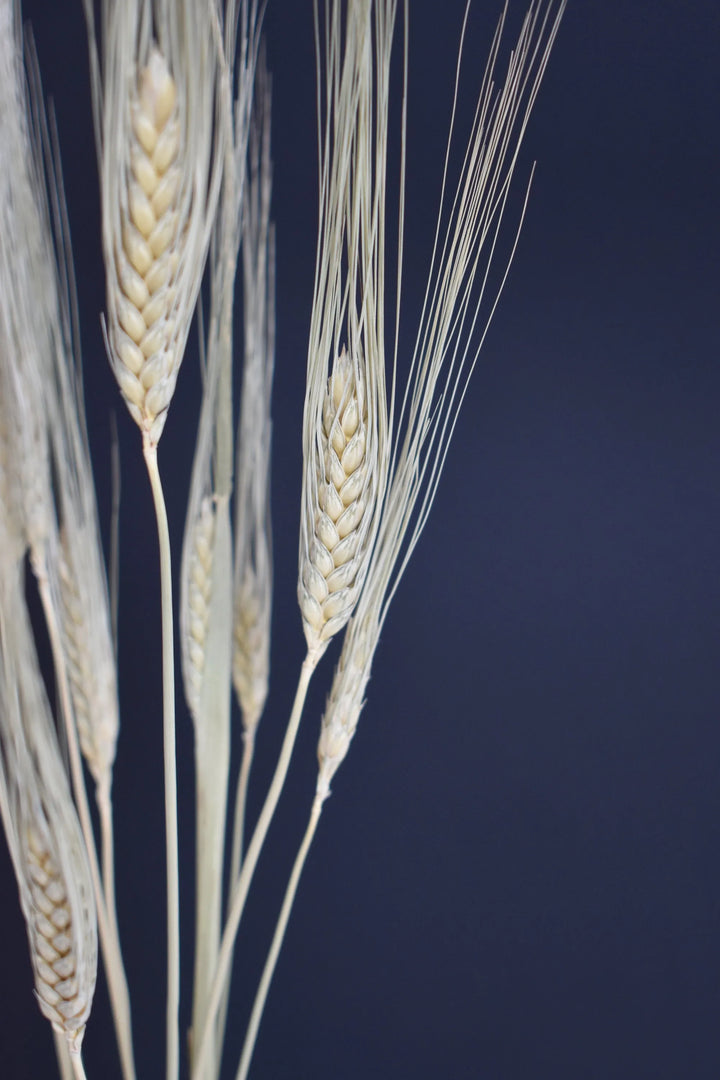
(248, 868)
(240, 806)
(237, 852)
(78, 1068)
(171, 825)
(63, 1056)
(278, 937)
(109, 943)
(107, 850)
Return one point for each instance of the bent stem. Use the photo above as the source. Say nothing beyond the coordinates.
(248, 867)
(171, 825)
(107, 926)
(278, 937)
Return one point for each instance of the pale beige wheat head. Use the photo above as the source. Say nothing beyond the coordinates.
(88, 650)
(160, 171)
(199, 590)
(44, 834)
(346, 416)
(253, 555)
(330, 571)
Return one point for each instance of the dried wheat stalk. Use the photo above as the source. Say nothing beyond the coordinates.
(160, 157)
(253, 555)
(43, 833)
(345, 421)
(199, 591)
(444, 356)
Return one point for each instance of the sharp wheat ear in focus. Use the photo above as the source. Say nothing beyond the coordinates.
(445, 354)
(345, 421)
(160, 165)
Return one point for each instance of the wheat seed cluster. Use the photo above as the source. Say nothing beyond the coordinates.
(182, 99)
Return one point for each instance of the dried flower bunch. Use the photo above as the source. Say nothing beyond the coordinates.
(181, 99)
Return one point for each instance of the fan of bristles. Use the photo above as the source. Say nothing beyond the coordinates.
(331, 563)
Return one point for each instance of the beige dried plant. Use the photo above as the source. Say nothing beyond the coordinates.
(444, 356)
(160, 165)
(43, 833)
(345, 422)
(252, 565)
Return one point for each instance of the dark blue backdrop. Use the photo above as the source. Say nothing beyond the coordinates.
(518, 874)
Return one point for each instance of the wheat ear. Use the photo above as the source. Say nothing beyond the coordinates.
(46, 404)
(43, 834)
(352, 223)
(444, 356)
(207, 571)
(431, 416)
(161, 154)
(346, 416)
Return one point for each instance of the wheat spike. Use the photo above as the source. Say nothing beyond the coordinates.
(329, 573)
(160, 150)
(253, 554)
(251, 659)
(88, 651)
(345, 422)
(62, 998)
(43, 832)
(443, 359)
(150, 248)
(199, 593)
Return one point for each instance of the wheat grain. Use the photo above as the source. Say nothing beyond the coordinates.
(161, 161)
(253, 556)
(88, 650)
(147, 260)
(345, 422)
(329, 572)
(43, 833)
(199, 593)
(443, 360)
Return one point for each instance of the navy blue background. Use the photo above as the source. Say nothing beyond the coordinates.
(518, 874)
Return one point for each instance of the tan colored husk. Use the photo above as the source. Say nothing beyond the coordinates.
(253, 549)
(345, 421)
(160, 151)
(443, 359)
(43, 833)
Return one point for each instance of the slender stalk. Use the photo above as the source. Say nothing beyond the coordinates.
(278, 937)
(78, 1067)
(171, 825)
(63, 1056)
(237, 853)
(248, 868)
(240, 807)
(109, 942)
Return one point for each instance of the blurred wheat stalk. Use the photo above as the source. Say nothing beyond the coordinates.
(182, 103)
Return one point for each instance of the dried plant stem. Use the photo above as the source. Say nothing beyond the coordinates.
(107, 925)
(171, 826)
(248, 867)
(236, 851)
(78, 1067)
(278, 937)
(107, 856)
(62, 1053)
(236, 856)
